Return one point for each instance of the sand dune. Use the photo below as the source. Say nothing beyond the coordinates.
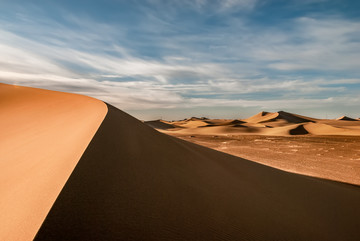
(295, 129)
(150, 186)
(346, 118)
(218, 130)
(259, 117)
(295, 118)
(43, 135)
(281, 115)
(313, 129)
(225, 123)
(270, 123)
(193, 123)
(325, 129)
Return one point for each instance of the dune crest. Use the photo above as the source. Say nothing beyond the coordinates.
(160, 124)
(281, 115)
(346, 118)
(43, 135)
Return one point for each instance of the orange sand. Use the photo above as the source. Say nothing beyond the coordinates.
(43, 135)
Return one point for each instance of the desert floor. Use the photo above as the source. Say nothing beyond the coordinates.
(330, 157)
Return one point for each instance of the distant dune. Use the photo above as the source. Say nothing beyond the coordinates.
(346, 118)
(281, 115)
(269, 123)
(134, 183)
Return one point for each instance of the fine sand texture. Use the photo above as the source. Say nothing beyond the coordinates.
(134, 183)
(43, 135)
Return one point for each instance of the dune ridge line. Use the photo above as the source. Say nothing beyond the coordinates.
(134, 183)
(43, 135)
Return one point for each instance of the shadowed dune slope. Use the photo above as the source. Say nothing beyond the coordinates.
(294, 118)
(159, 124)
(43, 135)
(346, 118)
(227, 123)
(134, 183)
(294, 129)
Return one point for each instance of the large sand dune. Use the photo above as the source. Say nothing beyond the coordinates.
(43, 135)
(134, 183)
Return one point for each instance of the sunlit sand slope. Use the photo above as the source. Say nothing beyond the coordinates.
(134, 183)
(43, 135)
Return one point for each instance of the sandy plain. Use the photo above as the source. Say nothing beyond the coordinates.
(330, 157)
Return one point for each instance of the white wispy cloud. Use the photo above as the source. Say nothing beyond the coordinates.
(232, 65)
(238, 4)
(319, 44)
(212, 5)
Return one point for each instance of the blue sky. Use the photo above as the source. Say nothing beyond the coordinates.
(174, 59)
